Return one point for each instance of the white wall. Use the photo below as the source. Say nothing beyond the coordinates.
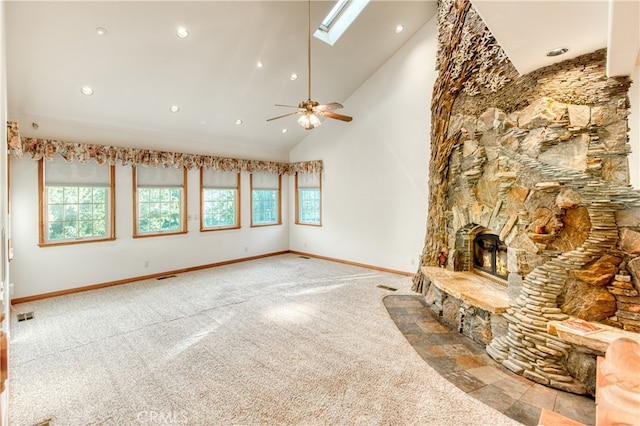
(5, 278)
(374, 188)
(38, 270)
(634, 132)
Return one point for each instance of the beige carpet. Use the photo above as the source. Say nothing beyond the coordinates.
(277, 341)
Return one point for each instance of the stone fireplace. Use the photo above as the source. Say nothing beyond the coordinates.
(533, 227)
(535, 166)
(538, 201)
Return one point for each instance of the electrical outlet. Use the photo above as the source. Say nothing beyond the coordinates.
(246, 249)
(10, 289)
(146, 263)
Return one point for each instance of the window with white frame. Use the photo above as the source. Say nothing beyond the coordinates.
(219, 200)
(309, 198)
(159, 200)
(77, 202)
(265, 199)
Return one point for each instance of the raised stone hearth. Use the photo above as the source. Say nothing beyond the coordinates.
(468, 302)
(470, 288)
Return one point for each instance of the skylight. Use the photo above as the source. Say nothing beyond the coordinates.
(342, 15)
(336, 11)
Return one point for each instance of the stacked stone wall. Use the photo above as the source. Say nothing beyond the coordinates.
(541, 160)
(571, 229)
(579, 81)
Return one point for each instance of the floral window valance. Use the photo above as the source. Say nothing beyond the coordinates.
(84, 152)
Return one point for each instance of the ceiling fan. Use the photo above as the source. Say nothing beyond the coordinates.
(309, 108)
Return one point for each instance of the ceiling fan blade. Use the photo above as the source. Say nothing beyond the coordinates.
(336, 116)
(327, 107)
(287, 106)
(282, 116)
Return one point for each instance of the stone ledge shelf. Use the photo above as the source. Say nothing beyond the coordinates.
(470, 288)
(596, 340)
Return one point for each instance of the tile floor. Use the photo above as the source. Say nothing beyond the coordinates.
(466, 364)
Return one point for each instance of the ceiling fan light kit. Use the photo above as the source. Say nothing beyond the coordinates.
(309, 121)
(310, 110)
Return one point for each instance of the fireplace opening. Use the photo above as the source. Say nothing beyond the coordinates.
(490, 255)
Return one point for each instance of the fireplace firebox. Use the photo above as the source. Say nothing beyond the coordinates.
(490, 255)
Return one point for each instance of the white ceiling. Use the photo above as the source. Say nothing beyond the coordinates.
(141, 68)
(527, 30)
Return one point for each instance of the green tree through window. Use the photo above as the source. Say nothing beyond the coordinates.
(309, 198)
(76, 212)
(309, 205)
(264, 206)
(159, 210)
(219, 207)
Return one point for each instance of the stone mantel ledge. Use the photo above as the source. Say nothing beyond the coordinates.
(470, 288)
(596, 340)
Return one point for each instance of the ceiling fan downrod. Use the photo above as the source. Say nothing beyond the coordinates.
(309, 109)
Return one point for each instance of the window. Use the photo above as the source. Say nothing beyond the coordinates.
(340, 18)
(77, 202)
(159, 200)
(219, 200)
(308, 198)
(265, 199)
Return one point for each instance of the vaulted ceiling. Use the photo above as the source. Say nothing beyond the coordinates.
(528, 30)
(139, 68)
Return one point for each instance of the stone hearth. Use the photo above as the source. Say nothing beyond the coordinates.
(468, 302)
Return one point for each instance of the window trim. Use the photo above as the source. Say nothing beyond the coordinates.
(297, 219)
(278, 203)
(111, 234)
(183, 206)
(238, 204)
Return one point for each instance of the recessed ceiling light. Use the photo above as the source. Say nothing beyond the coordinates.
(101, 31)
(259, 64)
(238, 122)
(86, 90)
(558, 51)
(182, 32)
(174, 108)
(399, 29)
(294, 77)
(284, 130)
